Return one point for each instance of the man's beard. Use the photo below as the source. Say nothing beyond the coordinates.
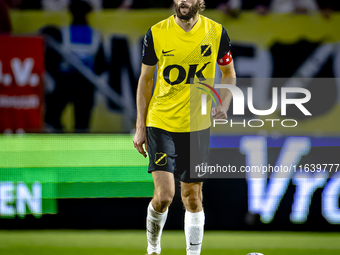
(191, 13)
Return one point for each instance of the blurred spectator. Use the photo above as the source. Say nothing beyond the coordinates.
(109, 4)
(296, 6)
(29, 4)
(54, 5)
(137, 4)
(263, 7)
(327, 7)
(234, 7)
(5, 24)
(126, 4)
(70, 85)
(140, 4)
(57, 5)
(5, 21)
(329, 4)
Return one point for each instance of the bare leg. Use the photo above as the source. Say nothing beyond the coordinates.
(164, 190)
(158, 209)
(191, 194)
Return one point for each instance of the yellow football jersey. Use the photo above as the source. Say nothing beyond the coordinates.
(185, 60)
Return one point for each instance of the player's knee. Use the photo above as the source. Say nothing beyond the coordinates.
(194, 204)
(163, 200)
(192, 201)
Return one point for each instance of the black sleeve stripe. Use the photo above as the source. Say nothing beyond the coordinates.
(149, 55)
(224, 44)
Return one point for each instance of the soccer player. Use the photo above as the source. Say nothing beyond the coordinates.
(185, 46)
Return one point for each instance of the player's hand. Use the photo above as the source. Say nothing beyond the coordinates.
(139, 139)
(219, 112)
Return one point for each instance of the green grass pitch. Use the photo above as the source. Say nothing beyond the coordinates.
(102, 242)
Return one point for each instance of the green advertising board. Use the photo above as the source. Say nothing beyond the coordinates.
(40, 168)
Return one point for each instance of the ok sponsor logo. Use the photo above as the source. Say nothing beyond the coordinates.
(183, 75)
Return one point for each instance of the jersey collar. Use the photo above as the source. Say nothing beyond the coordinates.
(181, 31)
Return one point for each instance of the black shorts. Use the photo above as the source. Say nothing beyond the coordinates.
(177, 152)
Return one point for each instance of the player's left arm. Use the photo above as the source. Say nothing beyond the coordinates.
(228, 77)
(226, 65)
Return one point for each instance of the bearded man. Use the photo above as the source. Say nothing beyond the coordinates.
(185, 46)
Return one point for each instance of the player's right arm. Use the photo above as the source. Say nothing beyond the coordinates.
(144, 92)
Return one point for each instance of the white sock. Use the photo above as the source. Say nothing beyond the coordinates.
(154, 226)
(194, 228)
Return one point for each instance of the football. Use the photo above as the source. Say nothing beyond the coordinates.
(254, 253)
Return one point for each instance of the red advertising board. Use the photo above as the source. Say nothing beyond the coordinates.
(21, 84)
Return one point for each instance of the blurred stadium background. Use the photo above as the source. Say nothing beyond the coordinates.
(70, 178)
